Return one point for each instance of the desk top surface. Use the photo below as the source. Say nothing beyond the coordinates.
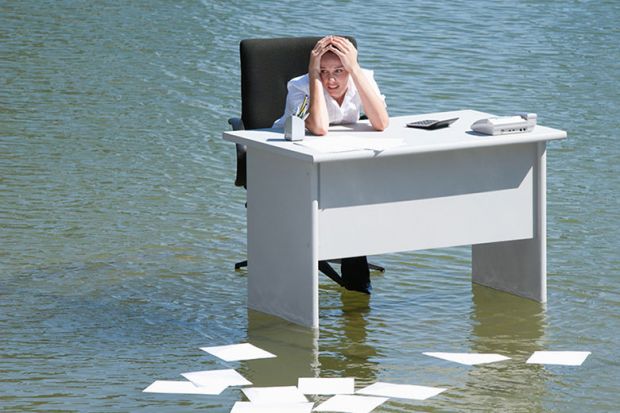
(458, 136)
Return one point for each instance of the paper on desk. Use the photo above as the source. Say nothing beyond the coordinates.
(344, 385)
(350, 404)
(210, 378)
(564, 358)
(403, 391)
(249, 407)
(183, 387)
(345, 143)
(237, 352)
(280, 394)
(469, 358)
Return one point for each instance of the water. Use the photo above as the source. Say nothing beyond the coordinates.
(120, 224)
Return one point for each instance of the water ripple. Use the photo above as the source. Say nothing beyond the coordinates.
(119, 223)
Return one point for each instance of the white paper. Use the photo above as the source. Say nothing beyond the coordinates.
(469, 358)
(564, 358)
(331, 144)
(344, 385)
(249, 407)
(350, 404)
(182, 387)
(280, 394)
(212, 378)
(402, 391)
(236, 352)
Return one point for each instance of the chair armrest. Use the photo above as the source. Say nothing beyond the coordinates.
(236, 123)
(240, 178)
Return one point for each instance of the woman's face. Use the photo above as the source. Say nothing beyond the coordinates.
(333, 76)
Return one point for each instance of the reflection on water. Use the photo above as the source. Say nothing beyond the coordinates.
(514, 327)
(500, 323)
(296, 349)
(345, 351)
(505, 323)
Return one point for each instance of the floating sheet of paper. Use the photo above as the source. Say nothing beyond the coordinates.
(236, 352)
(350, 404)
(212, 378)
(402, 391)
(249, 407)
(182, 387)
(564, 358)
(344, 385)
(469, 358)
(330, 144)
(280, 394)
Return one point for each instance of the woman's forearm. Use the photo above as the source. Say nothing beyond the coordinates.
(374, 106)
(317, 121)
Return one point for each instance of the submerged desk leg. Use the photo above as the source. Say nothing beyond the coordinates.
(519, 267)
(282, 237)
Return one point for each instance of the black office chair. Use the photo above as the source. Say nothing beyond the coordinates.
(266, 67)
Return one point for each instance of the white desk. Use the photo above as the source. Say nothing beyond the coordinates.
(441, 188)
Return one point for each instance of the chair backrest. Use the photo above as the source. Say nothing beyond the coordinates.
(266, 67)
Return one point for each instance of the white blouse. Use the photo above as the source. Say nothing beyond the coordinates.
(348, 112)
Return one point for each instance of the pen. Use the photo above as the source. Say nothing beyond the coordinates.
(303, 108)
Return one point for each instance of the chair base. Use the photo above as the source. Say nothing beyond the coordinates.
(372, 267)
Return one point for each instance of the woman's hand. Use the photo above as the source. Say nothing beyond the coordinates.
(317, 121)
(373, 103)
(322, 46)
(345, 50)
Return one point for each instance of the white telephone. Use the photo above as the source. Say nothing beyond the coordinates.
(521, 123)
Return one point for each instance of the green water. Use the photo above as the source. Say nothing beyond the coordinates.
(119, 223)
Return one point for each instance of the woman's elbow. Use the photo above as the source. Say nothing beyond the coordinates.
(381, 125)
(317, 130)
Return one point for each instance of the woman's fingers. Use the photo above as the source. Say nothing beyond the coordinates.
(341, 46)
(345, 50)
(342, 43)
(317, 52)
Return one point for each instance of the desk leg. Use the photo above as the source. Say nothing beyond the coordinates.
(282, 237)
(519, 267)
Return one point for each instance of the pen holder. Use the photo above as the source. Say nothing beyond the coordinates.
(294, 128)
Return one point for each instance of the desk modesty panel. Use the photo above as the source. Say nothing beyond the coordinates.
(428, 200)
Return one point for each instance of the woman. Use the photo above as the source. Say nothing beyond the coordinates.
(338, 89)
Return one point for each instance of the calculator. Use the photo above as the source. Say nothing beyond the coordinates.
(431, 123)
